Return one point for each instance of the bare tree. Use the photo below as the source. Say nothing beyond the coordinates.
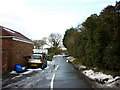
(39, 43)
(54, 39)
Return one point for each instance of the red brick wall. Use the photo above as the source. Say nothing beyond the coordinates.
(6, 51)
(13, 52)
(6, 54)
(0, 55)
(20, 49)
(0, 52)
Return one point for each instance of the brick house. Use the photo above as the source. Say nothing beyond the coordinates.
(14, 47)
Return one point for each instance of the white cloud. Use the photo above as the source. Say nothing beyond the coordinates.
(41, 20)
(39, 24)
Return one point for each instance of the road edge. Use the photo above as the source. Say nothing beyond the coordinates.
(93, 83)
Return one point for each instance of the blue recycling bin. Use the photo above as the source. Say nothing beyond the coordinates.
(18, 67)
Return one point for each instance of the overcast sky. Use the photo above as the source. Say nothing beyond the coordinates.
(39, 18)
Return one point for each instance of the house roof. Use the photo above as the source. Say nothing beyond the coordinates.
(9, 33)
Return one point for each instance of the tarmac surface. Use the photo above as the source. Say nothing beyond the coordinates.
(58, 74)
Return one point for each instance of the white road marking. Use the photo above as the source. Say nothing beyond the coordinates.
(52, 81)
(56, 67)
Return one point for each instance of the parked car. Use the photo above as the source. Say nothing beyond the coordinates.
(36, 61)
(65, 55)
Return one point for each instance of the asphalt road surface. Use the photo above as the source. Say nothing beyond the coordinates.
(64, 75)
(58, 74)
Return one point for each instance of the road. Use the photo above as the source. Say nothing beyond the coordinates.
(58, 74)
(64, 76)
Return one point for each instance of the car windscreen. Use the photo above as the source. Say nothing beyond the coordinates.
(35, 57)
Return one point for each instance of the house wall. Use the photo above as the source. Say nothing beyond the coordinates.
(20, 49)
(13, 52)
(6, 54)
(0, 53)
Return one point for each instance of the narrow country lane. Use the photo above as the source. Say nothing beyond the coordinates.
(58, 74)
(67, 76)
(64, 75)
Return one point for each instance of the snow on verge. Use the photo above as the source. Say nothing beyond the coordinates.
(31, 70)
(106, 80)
(97, 75)
(71, 59)
(13, 72)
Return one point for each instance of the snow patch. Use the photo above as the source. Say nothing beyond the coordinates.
(107, 80)
(57, 56)
(81, 67)
(114, 79)
(27, 72)
(67, 61)
(23, 68)
(17, 76)
(37, 69)
(97, 75)
(13, 72)
(71, 59)
(49, 62)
